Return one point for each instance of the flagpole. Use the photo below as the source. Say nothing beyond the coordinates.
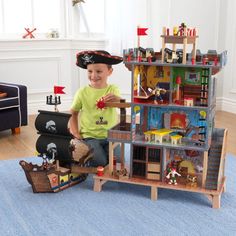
(138, 41)
(55, 102)
(138, 26)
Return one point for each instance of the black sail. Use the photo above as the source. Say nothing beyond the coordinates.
(55, 139)
(53, 123)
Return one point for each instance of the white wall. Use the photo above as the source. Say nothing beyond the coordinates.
(227, 40)
(122, 20)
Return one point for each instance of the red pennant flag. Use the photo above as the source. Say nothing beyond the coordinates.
(59, 90)
(141, 31)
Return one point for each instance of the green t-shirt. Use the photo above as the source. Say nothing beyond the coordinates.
(94, 122)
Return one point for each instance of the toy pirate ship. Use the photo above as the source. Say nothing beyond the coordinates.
(60, 153)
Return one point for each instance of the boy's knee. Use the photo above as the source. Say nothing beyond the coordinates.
(100, 157)
(98, 161)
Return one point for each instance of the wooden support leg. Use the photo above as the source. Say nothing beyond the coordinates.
(163, 44)
(97, 185)
(15, 130)
(184, 50)
(111, 157)
(154, 193)
(224, 188)
(216, 201)
(194, 50)
(122, 156)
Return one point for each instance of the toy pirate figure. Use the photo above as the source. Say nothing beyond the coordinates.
(158, 94)
(172, 176)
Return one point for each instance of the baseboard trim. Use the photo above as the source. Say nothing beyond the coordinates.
(226, 104)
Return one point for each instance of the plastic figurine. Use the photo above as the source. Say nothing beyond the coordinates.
(158, 94)
(172, 176)
(175, 31)
(181, 29)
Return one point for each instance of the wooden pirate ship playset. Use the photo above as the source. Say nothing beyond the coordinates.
(172, 138)
(59, 152)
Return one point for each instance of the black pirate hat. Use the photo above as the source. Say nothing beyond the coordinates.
(99, 56)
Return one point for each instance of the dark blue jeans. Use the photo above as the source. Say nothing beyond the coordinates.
(101, 151)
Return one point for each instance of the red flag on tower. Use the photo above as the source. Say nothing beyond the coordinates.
(59, 90)
(141, 31)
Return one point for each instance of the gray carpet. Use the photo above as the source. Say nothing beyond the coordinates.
(120, 209)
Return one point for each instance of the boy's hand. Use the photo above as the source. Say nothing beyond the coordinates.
(110, 97)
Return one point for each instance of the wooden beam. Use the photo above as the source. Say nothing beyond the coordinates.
(111, 156)
(83, 170)
(118, 104)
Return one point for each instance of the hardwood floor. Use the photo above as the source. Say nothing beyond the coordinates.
(19, 145)
(23, 145)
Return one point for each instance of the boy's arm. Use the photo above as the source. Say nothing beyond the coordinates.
(110, 97)
(73, 124)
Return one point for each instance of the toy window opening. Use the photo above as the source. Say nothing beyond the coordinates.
(192, 77)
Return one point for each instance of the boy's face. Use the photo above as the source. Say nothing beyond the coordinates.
(98, 75)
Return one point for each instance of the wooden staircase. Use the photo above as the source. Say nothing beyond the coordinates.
(214, 158)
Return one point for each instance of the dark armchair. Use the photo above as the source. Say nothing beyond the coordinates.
(13, 107)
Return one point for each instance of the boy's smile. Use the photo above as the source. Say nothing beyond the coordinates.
(98, 75)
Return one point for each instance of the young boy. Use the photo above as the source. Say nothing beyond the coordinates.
(89, 120)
